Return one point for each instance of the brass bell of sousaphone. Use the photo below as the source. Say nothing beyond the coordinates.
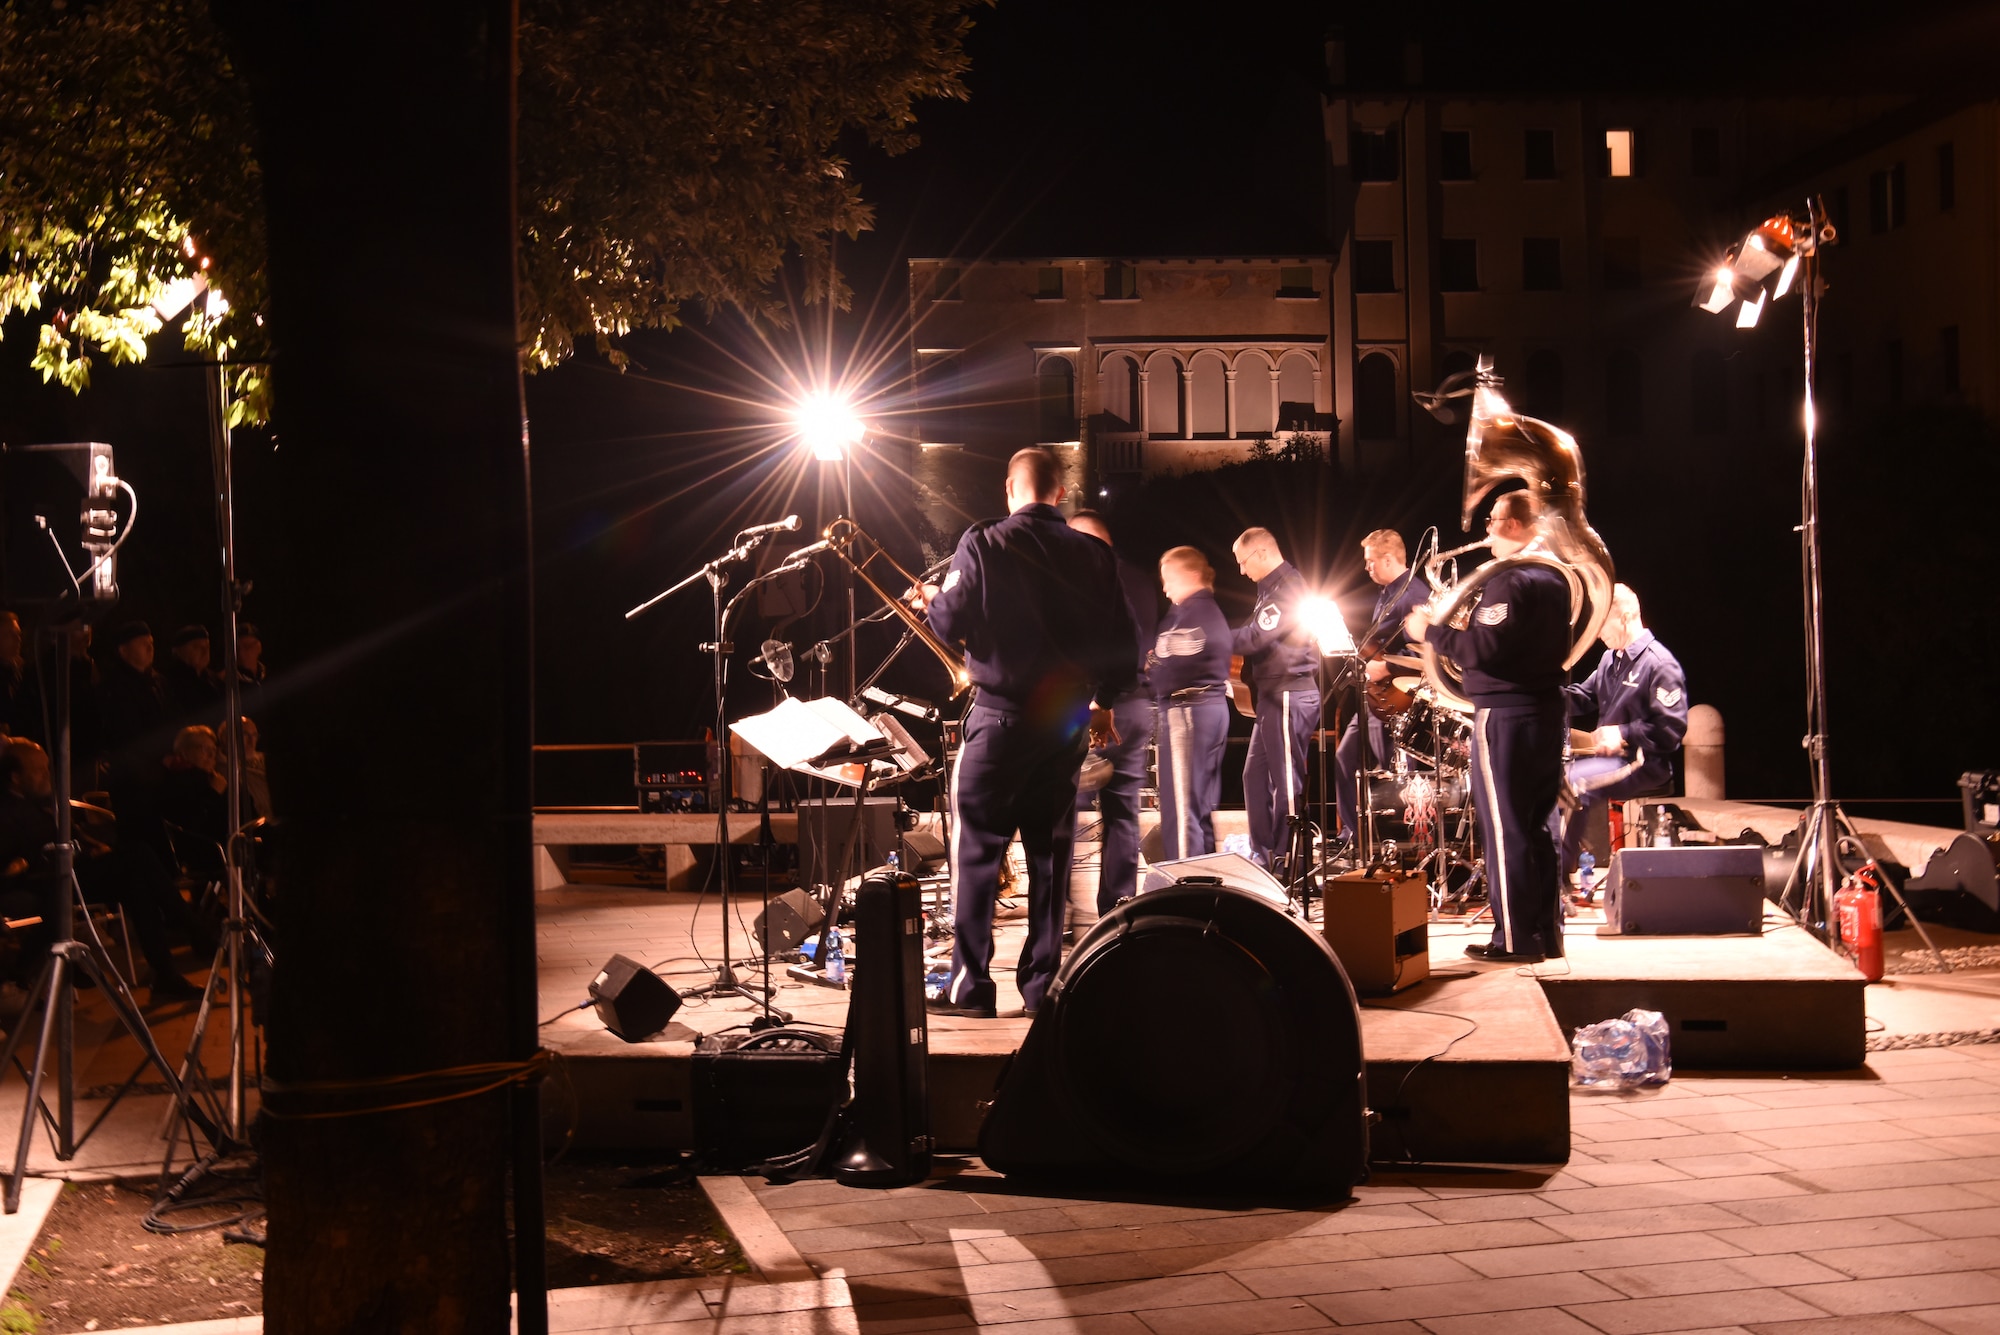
(1501, 445)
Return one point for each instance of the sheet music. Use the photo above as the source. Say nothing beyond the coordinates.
(798, 732)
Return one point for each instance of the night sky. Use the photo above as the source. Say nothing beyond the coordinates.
(1117, 127)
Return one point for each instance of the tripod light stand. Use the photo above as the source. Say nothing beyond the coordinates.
(1780, 254)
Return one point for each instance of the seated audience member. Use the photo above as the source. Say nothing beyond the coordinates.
(256, 783)
(14, 697)
(194, 802)
(28, 872)
(192, 693)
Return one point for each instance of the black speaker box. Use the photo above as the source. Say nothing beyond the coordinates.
(792, 917)
(1691, 891)
(633, 1002)
(766, 1097)
(824, 827)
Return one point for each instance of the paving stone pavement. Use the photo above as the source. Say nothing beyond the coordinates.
(1851, 1203)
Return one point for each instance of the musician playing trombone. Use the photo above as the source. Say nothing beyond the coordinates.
(1046, 631)
(1512, 651)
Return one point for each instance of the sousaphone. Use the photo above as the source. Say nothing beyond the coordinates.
(1502, 445)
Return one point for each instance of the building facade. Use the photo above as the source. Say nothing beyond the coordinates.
(1562, 236)
(1126, 367)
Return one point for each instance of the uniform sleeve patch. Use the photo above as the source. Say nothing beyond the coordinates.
(950, 581)
(1184, 642)
(1267, 617)
(1667, 695)
(1492, 615)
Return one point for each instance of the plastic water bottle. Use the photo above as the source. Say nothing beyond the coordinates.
(895, 862)
(836, 958)
(1586, 872)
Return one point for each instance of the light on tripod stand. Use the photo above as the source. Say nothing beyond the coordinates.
(827, 425)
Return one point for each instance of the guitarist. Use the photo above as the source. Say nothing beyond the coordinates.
(1387, 562)
(1281, 663)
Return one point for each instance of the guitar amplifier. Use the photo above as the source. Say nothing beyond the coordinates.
(1379, 925)
(1693, 891)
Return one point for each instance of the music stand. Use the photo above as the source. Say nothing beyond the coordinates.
(826, 739)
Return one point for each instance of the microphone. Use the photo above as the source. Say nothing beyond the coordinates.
(810, 549)
(789, 524)
(777, 656)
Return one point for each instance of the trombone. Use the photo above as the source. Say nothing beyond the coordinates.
(840, 536)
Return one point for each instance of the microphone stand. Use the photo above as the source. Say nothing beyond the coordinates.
(716, 572)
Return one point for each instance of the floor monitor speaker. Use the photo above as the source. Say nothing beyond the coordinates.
(1691, 891)
(633, 1002)
(792, 917)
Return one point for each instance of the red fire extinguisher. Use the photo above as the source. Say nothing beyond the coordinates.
(1857, 907)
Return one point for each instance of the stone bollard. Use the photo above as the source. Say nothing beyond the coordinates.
(1702, 752)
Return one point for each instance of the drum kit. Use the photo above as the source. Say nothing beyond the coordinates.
(1420, 797)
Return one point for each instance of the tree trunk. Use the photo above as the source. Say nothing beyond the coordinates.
(400, 711)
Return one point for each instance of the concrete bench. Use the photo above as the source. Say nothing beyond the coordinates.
(678, 832)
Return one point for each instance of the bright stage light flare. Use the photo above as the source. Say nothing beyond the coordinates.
(827, 426)
(1322, 619)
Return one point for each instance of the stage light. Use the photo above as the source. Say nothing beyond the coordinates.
(1717, 291)
(1774, 247)
(1785, 277)
(1322, 619)
(827, 426)
(177, 296)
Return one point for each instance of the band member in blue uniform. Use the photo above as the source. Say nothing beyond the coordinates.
(1039, 609)
(1117, 801)
(1638, 700)
(1512, 652)
(1190, 675)
(1280, 662)
(1387, 562)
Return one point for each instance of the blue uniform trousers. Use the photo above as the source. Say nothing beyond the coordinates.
(1600, 779)
(1274, 775)
(1193, 736)
(1348, 759)
(1516, 778)
(1012, 775)
(1118, 803)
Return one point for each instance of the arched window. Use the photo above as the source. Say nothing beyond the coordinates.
(1163, 396)
(1208, 413)
(1255, 413)
(1543, 391)
(1708, 394)
(1056, 381)
(1624, 401)
(1375, 397)
(1295, 393)
(1118, 390)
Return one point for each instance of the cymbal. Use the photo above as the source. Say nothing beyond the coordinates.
(1406, 683)
(1403, 660)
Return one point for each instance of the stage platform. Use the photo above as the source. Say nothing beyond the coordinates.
(1470, 1066)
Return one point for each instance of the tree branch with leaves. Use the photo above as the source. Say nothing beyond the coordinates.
(668, 154)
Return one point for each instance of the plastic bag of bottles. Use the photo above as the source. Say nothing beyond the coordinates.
(1627, 1053)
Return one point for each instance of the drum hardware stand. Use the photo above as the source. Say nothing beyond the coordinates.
(55, 986)
(716, 573)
